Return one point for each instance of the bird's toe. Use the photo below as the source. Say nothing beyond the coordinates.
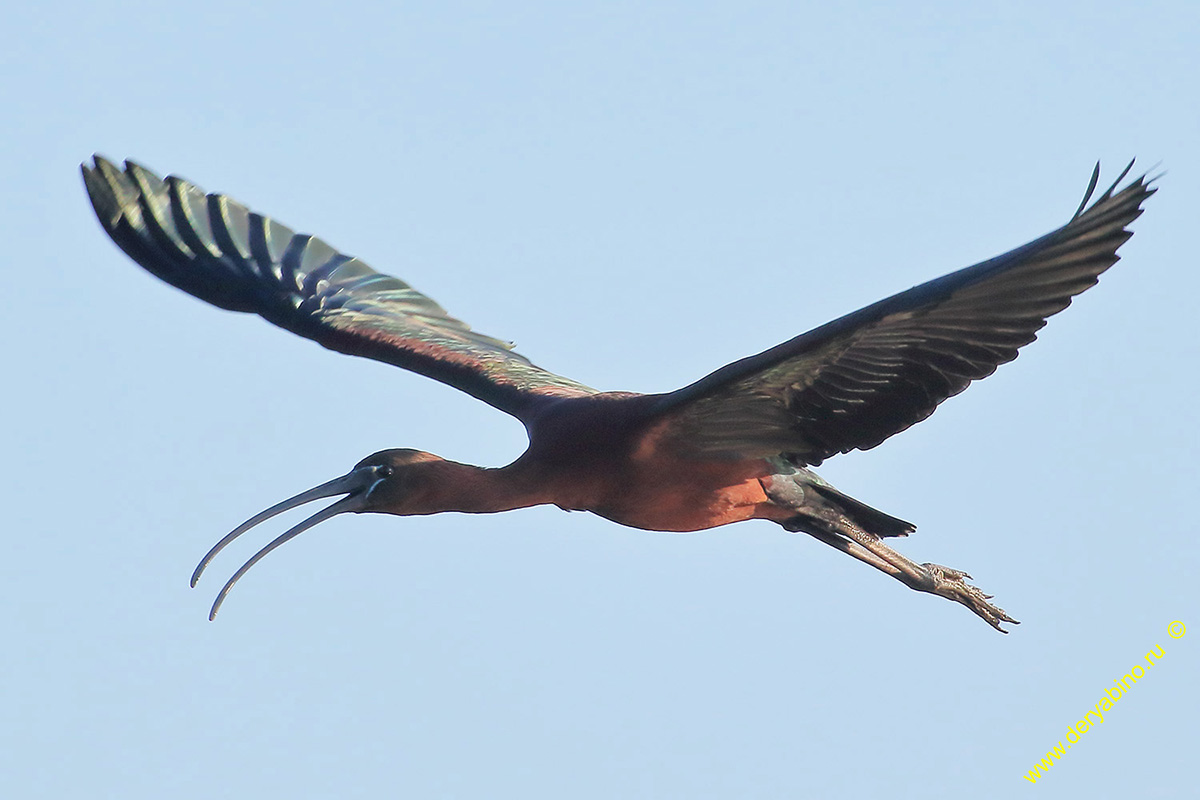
(952, 584)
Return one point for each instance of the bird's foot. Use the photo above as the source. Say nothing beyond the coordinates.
(952, 585)
(839, 531)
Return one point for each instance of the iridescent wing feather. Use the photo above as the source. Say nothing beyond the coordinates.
(220, 251)
(856, 381)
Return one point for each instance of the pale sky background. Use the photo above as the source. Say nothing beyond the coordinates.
(635, 193)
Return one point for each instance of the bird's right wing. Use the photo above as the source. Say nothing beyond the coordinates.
(856, 381)
(219, 251)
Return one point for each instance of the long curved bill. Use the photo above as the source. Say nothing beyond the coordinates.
(356, 485)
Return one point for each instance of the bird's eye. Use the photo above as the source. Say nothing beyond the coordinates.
(384, 470)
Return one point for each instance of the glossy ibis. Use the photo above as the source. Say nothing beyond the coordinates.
(734, 445)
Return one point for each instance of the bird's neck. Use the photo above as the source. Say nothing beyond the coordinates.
(480, 490)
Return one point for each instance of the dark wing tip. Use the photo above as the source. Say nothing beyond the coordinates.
(1144, 183)
(1087, 195)
(108, 190)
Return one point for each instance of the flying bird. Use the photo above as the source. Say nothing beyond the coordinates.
(735, 445)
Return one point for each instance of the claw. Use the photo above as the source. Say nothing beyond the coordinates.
(949, 584)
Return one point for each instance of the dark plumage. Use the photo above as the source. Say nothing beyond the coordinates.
(731, 446)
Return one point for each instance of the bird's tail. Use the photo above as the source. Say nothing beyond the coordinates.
(817, 503)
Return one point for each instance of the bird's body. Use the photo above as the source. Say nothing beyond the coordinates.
(599, 454)
(730, 447)
(592, 455)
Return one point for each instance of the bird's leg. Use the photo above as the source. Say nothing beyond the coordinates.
(837, 530)
(840, 521)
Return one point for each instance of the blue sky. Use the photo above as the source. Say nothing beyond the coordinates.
(636, 194)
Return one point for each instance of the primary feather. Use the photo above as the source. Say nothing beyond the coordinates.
(223, 253)
(852, 383)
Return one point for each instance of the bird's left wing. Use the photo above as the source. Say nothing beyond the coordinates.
(856, 381)
(220, 251)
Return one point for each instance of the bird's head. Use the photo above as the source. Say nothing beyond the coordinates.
(395, 481)
(388, 482)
